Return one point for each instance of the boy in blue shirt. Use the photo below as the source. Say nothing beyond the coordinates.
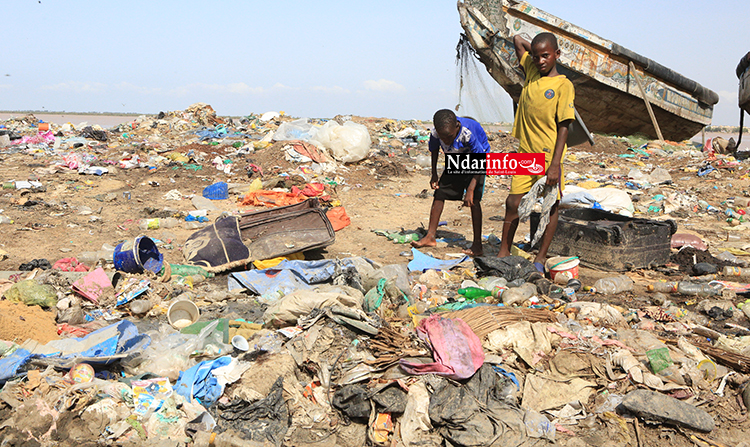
(456, 136)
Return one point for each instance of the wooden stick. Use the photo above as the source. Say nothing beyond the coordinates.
(637, 432)
(648, 103)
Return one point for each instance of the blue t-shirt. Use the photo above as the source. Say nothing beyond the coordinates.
(470, 139)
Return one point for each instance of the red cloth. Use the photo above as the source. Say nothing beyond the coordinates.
(338, 218)
(272, 198)
(70, 265)
(456, 349)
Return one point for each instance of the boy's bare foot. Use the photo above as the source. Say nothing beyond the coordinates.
(502, 254)
(427, 241)
(474, 251)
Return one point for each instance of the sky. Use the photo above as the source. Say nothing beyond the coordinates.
(393, 59)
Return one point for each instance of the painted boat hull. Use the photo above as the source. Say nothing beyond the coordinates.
(607, 96)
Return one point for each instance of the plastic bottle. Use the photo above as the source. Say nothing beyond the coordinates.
(5, 220)
(424, 161)
(518, 295)
(472, 293)
(736, 271)
(139, 307)
(490, 282)
(189, 270)
(194, 225)
(498, 291)
(613, 285)
(405, 238)
(697, 289)
(663, 287)
(154, 224)
(91, 257)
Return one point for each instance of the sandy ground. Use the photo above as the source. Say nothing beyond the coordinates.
(78, 213)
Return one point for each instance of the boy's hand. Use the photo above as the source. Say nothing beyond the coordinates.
(553, 174)
(469, 197)
(434, 181)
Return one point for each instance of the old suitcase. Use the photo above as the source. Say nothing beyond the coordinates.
(609, 241)
(285, 230)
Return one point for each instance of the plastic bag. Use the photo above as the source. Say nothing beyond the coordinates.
(169, 353)
(396, 275)
(349, 143)
(295, 130)
(32, 293)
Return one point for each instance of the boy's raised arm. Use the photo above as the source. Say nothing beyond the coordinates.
(522, 46)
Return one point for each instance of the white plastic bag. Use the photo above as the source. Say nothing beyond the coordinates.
(349, 143)
(295, 130)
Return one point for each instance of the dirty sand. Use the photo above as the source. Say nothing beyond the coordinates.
(19, 322)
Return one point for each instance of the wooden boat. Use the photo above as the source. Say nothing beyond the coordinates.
(743, 73)
(607, 93)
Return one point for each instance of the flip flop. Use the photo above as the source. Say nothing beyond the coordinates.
(539, 267)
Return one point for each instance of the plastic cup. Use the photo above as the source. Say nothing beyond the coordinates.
(182, 314)
(240, 343)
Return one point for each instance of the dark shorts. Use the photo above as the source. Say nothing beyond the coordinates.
(453, 187)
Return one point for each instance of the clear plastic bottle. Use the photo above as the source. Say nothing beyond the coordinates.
(613, 285)
(139, 307)
(490, 282)
(663, 287)
(697, 289)
(194, 225)
(5, 219)
(518, 295)
(736, 271)
(154, 224)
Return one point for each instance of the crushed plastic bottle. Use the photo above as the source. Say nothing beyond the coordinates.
(518, 295)
(698, 289)
(663, 287)
(155, 224)
(613, 285)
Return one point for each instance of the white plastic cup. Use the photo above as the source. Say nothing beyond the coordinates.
(183, 313)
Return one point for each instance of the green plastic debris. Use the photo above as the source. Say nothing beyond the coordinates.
(659, 359)
(32, 293)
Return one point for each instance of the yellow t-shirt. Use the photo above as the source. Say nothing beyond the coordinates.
(545, 101)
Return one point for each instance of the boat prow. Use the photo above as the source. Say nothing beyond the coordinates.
(607, 95)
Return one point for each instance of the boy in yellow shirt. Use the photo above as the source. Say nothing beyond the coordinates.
(545, 110)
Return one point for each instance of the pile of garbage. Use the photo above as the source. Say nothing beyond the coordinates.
(208, 324)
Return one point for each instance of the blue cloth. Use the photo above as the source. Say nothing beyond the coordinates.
(286, 277)
(118, 339)
(199, 382)
(422, 262)
(471, 138)
(267, 281)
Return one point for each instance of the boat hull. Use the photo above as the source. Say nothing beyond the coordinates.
(745, 91)
(607, 96)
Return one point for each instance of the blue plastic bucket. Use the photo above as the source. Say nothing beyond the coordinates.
(138, 255)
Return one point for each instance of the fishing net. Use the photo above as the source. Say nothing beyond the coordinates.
(479, 96)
